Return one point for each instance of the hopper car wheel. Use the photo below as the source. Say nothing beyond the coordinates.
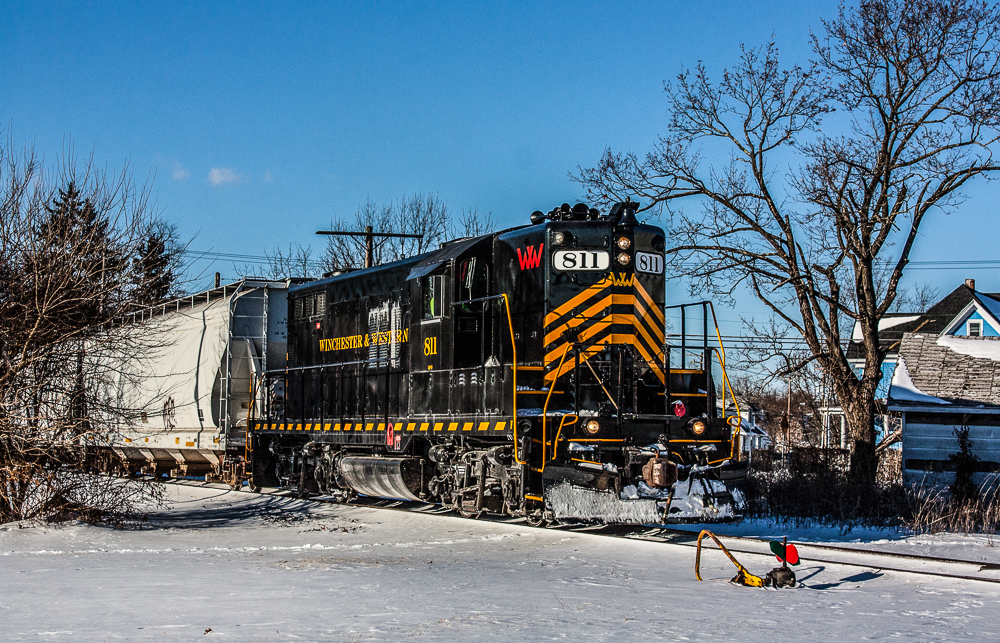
(468, 514)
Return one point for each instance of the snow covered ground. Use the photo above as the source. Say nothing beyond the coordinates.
(244, 567)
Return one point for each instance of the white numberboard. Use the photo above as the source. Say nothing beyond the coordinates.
(566, 260)
(646, 262)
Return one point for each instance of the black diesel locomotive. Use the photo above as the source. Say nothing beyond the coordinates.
(523, 372)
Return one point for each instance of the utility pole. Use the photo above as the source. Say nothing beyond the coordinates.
(788, 416)
(370, 240)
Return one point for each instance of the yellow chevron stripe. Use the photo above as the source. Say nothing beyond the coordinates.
(500, 426)
(586, 294)
(484, 426)
(556, 353)
(655, 332)
(652, 345)
(584, 356)
(410, 426)
(649, 360)
(573, 322)
(649, 300)
(622, 298)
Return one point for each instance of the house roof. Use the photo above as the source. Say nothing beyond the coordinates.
(946, 370)
(934, 321)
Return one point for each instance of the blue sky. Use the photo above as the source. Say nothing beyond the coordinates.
(260, 122)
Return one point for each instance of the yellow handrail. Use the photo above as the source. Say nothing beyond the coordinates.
(513, 348)
(545, 407)
(555, 442)
(725, 379)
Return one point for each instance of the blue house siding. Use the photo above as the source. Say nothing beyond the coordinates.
(888, 368)
(988, 330)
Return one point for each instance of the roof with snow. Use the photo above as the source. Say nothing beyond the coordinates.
(946, 370)
(936, 320)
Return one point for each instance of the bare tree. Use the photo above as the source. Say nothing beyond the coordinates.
(915, 84)
(296, 261)
(423, 214)
(67, 240)
(472, 223)
(916, 299)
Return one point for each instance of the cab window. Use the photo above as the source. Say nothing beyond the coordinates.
(433, 297)
(471, 283)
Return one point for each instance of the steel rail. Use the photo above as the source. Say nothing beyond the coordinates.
(636, 533)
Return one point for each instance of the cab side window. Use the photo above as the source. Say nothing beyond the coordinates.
(433, 299)
(471, 283)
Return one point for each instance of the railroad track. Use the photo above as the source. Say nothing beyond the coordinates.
(816, 553)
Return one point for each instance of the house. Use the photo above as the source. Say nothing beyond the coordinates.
(964, 312)
(941, 383)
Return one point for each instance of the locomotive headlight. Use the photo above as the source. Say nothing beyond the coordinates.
(624, 258)
(560, 238)
(624, 243)
(592, 427)
(698, 427)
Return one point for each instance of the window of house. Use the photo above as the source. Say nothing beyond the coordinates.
(975, 328)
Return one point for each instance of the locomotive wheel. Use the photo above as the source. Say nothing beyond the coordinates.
(468, 514)
(536, 519)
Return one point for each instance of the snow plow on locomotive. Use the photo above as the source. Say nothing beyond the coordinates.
(525, 372)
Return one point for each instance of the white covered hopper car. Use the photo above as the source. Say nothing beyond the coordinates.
(192, 391)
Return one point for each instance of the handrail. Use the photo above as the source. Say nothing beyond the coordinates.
(513, 348)
(725, 379)
(545, 407)
(555, 441)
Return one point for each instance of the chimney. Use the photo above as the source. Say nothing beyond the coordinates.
(218, 280)
(971, 283)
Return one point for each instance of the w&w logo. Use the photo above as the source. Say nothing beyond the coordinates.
(531, 258)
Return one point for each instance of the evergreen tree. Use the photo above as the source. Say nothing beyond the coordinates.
(156, 266)
(77, 265)
(963, 489)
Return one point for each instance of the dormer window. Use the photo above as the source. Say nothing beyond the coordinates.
(975, 328)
